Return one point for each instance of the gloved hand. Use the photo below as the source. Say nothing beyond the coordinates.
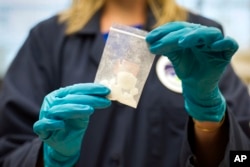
(64, 118)
(199, 55)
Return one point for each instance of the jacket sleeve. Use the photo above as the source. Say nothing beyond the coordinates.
(237, 116)
(26, 82)
(25, 155)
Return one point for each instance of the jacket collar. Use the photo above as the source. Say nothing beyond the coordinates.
(93, 26)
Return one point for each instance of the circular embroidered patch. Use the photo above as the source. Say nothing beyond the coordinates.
(167, 75)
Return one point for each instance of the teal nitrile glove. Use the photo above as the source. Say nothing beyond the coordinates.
(199, 55)
(64, 118)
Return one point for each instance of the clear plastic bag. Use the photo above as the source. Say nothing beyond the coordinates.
(125, 64)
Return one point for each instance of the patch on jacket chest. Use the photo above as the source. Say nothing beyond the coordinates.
(167, 75)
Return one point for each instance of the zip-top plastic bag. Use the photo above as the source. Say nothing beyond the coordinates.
(125, 64)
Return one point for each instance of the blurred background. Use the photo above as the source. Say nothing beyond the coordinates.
(18, 16)
(16, 19)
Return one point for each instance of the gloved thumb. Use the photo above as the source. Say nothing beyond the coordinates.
(44, 126)
(227, 45)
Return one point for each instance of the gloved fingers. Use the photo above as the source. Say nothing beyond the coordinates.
(177, 36)
(83, 88)
(44, 127)
(227, 45)
(70, 111)
(200, 37)
(165, 29)
(96, 102)
(168, 43)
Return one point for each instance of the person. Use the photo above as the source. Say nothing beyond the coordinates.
(53, 114)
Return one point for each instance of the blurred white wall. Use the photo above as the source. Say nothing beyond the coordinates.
(16, 19)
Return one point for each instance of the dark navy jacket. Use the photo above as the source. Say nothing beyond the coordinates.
(156, 134)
